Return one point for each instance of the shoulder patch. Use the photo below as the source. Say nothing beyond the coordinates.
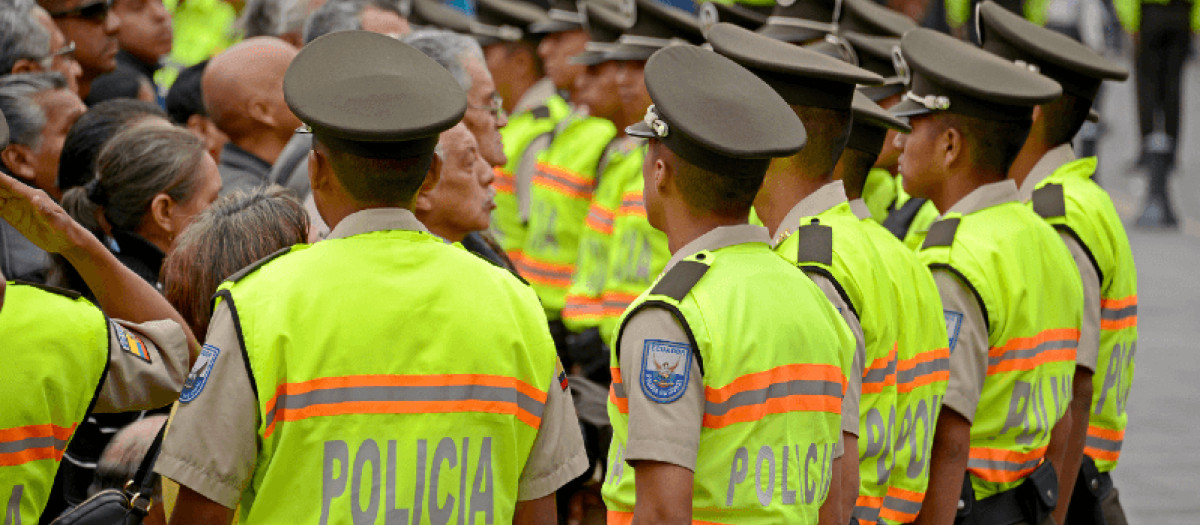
(1048, 201)
(953, 325)
(560, 375)
(540, 112)
(237, 276)
(941, 233)
(130, 342)
(680, 279)
(815, 244)
(198, 377)
(666, 367)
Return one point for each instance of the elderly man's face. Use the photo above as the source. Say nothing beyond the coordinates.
(62, 107)
(145, 29)
(461, 202)
(483, 118)
(94, 31)
(62, 60)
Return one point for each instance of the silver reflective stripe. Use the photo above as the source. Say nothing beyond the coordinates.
(583, 188)
(406, 393)
(1113, 314)
(902, 505)
(926, 368)
(1054, 344)
(1104, 444)
(802, 23)
(619, 390)
(998, 464)
(32, 443)
(870, 514)
(880, 375)
(798, 387)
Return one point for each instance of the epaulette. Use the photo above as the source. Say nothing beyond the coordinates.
(1048, 201)
(540, 112)
(941, 233)
(680, 279)
(237, 276)
(815, 244)
(899, 220)
(69, 294)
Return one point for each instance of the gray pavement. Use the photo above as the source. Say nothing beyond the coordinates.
(1159, 471)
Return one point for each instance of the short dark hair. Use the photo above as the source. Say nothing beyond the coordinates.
(726, 193)
(77, 163)
(994, 144)
(828, 130)
(186, 98)
(392, 182)
(1064, 117)
(853, 168)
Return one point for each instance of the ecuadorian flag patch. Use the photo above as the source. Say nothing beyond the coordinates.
(561, 375)
(131, 343)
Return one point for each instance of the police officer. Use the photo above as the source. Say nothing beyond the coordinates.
(813, 226)
(728, 372)
(1060, 189)
(352, 378)
(1011, 296)
(66, 357)
(922, 356)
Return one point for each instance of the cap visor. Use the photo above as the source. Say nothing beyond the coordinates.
(908, 108)
(552, 26)
(641, 130)
(630, 52)
(877, 93)
(790, 34)
(589, 58)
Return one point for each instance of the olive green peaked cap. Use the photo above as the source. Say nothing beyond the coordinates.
(710, 13)
(371, 95)
(871, 124)
(948, 74)
(801, 21)
(653, 25)
(1078, 69)
(436, 14)
(604, 27)
(504, 20)
(869, 18)
(876, 54)
(801, 76)
(716, 114)
(563, 16)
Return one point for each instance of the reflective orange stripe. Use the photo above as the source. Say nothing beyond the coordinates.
(1117, 314)
(616, 391)
(563, 181)
(881, 373)
(504, 182)
(545, 273)
(798, 388)
(583, 307)
(19, 445)
(405, 394)
(1028, 353)
(632, 204)
(901, 506)
(1104, 443)
(1106, 433)
(1119, 303)
(615, 303)
(924, 369)
(615, 517)
(999, 465)
(600, 219)
(868, 502)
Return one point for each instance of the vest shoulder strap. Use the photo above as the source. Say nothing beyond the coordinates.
(899, 220)
(240, 274)
(69, 294)
(941, 233)
(541, 112)
(1048, 201)
(815, 244)
(680, 279)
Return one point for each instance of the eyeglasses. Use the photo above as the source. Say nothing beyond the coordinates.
(496, 107)
(63, 51)
(97, 11)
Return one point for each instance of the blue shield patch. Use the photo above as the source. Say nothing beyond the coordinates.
(198, 377)
(953, 325)
(666, 366)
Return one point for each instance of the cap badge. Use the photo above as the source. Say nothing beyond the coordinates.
(901, 66)
(661, 129)
(708, 16)
(932, 102)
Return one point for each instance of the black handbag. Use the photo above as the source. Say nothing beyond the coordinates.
(126, 506)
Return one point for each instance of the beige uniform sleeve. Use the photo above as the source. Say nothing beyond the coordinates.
(211, 444)
(1089, 333)
(666, 432)
(146, 366)
(850, 402)
(558, 455)
(968, 344)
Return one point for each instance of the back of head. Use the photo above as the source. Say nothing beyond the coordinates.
(77, 163)
(120, 460)
(124, 82)
(24, 116)
(185, 98)
(21, 36)
(827, 130)
(249, 71)
(239, 229)
(451, 50)
(138, 163)
(333, 16)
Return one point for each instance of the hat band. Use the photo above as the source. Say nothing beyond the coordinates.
(562, 15)
(648, 41)
(801, 23)
(930, 102)
(599, 47)
(504, 32)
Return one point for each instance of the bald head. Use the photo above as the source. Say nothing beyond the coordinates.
(243, 91)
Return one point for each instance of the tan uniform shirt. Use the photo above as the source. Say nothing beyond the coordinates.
(142, 382)
(817, 202)
(1089, 333)
(212, 446)
(968, 336)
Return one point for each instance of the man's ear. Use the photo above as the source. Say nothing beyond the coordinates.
(19, 160)
(431, 177)
(25, 65)
(662, 174)
(952, 148)
(318, 170)
(260, 111)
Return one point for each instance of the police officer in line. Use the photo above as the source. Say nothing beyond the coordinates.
(71, 357)
(799, 190)
(732, 359)
(1060, 188)
(348, 380)
(1012, 297)
(922, 356)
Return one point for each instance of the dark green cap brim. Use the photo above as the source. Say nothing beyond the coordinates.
(553, 26)
(590, 57)
(877, 93)
(436, 14)
(869, 18)
(630, 52)
(789, 34)
(509, 12)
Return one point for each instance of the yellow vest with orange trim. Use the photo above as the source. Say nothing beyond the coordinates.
(922, 372)
(384, 394)
(833, 244)
(585, 307)
(1032, 302)
(1071, 201)
(563, 185)
(55, 361)
(639, 252)
(508, 226)
(770, 351)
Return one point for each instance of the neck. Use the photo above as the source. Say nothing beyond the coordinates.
(449, 234)
(85, 85)
(961, 184)
(1030, 154)
(517, 88)
(265, 145)
(691, 227)
(784, 186)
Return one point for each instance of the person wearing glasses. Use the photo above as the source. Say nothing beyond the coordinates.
(91, 26)
(31, 43)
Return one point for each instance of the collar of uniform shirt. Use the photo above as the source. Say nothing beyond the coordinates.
(824, 198)
(860, 209)
(718, 238)
(376, 219)
(1045, 166)
(986, 196)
